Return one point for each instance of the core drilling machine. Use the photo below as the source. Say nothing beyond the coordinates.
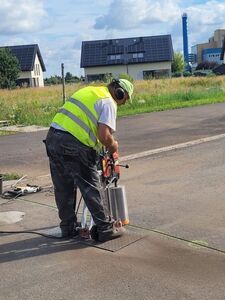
(115, 201)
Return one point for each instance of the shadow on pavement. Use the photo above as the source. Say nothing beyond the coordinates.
(32, 247)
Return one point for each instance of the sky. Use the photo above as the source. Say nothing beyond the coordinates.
(60, 26)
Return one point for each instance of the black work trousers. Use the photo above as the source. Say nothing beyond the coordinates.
(72, 165)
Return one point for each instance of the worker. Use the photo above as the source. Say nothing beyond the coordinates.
(79, 130)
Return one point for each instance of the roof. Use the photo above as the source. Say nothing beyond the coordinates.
(222, 51)
(126, 51)
(26, 56)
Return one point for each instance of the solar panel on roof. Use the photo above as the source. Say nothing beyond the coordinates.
(96, 53)
(26, 55)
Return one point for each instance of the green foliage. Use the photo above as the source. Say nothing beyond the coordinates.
(108, 77)
(178, 63)
(9, 69)
(176, 74)
(69, 78)
(187, 74)
(143, 102)
(38, 106)
(6, 132)
(207, 65)
(53, 80)
(126, 76)
(11, 176)
(201, 73)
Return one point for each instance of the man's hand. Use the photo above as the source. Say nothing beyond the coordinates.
(106, 138)
(113, 148)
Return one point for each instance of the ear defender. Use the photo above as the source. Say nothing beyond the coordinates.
(119, 93)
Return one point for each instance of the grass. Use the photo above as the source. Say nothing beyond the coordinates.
(10, 176)
(37, 106)
(6, 132)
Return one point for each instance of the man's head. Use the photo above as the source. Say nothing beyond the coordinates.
(121, 90)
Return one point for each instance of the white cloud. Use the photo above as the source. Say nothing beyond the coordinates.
(72, 21)
(127, 14)
(204, 19)
(20, 16)
(211, 13)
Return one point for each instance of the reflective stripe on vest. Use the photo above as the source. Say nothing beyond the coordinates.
(85, 110)
(79, 116)
(80, 123)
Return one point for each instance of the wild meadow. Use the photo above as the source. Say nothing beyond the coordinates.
(37, 106)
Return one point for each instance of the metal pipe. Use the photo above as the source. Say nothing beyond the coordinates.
(1, 184)
(63, 83)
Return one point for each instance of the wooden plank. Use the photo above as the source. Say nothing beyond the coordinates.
(4, 123)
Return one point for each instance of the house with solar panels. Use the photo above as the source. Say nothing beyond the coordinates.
(31, 65)
(140, 57)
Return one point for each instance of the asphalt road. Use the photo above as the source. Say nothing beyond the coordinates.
(24, 153)
(175, 197)
(178, 197)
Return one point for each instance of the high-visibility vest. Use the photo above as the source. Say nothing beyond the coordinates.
(79, 117)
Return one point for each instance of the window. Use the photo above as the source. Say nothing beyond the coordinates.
(138, 55)
(149, 74)
(114, 57)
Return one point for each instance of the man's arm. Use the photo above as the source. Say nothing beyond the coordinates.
(106, 138)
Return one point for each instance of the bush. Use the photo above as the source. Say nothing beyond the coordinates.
(176, 74)
(187, 74)
(126, 76)
(200, 73)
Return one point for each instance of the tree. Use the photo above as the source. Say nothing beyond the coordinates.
(53, 80)
(178, 63)
(68, 77)
(9, 69)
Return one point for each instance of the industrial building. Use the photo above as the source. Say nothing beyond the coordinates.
(222, 55)
(139, 57)
(210, 51)
(31, 65)
(220, 70)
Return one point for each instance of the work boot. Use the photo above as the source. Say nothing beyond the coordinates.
(113, 232)
(69, 231)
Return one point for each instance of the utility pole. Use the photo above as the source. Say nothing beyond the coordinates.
(63, 83)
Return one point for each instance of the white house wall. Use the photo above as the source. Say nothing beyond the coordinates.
(37, 73)
(115, 70)
(134, 70)
(35, 76)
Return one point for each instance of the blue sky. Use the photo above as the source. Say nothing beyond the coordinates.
(59, 26)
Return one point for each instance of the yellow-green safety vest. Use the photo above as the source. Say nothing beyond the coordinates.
(79, 117)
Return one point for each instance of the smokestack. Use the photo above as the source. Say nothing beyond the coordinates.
(185, 41)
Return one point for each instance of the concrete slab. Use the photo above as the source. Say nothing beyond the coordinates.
(132, 235)
(156, 267)
(180, 193)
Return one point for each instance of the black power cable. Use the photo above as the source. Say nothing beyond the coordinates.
(32, 232)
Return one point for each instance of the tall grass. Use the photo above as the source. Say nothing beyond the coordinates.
(31, 106)
(164, 94)
(39, 105)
